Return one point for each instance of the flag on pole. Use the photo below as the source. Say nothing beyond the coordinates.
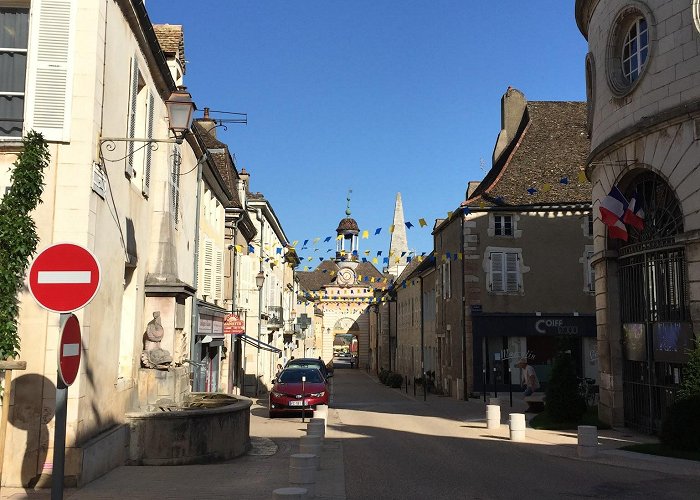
(612, 210)
(634, 215)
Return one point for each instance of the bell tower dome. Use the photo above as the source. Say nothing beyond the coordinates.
(347, 247)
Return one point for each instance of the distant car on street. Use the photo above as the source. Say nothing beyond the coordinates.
(297, 388)
(326, 370)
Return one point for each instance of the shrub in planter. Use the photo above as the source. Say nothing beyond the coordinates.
(681, 426)
(564, 403)
(395, 380)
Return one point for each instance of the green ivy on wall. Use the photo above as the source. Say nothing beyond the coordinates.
(18, 238)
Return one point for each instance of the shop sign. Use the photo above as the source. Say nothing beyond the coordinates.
(555, 326)
(205, 324)
(233, 325)
(217, 326)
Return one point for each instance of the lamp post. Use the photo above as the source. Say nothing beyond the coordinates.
(259, 282)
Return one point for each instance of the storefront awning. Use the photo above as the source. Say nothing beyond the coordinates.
(258, 344)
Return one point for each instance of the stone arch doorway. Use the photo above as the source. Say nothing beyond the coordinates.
(653, 301)
(346, 343)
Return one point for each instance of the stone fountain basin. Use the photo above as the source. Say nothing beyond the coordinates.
(207, 428)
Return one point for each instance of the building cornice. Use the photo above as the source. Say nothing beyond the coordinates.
(645, 126)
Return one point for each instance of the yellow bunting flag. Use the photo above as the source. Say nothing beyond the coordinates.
(391, 228)
(459, 255)
(239, 248)
(365, 234)
(449, 214)
(422, 222)
(482, 204)
(316, 240)
(546, 187)
(294, 243)
(582, 177)
(375, 261)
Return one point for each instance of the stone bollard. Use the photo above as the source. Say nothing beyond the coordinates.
(322, 412)
(517, 427)
(302, 471)
(312, 444)
(290, 493)
(493, 416)
(316, 428)
(587, 441)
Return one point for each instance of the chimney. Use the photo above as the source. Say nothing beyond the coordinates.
(513, 107)
(208, 124)
(242, 185)
(471, 187)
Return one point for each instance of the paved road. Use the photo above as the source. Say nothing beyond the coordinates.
(396, 447)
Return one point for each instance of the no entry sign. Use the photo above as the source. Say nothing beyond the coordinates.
(64, 277)
(69, 351)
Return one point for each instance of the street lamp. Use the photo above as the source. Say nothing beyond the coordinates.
(259, 282)
(180, 107)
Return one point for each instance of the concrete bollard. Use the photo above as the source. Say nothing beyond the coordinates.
(290, 493)
(322, 412)
(517, 427)
(302, 471)
(493, 416)
(316, 428)
(319, 420)
(587, 441)
(312, 445)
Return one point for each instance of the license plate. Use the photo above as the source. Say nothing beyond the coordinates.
(296, 403)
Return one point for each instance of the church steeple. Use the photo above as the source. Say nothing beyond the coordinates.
(398, 247)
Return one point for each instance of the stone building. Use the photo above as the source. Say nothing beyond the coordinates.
(643, 88)
(96, 70)
(342, 290)
(500, 295)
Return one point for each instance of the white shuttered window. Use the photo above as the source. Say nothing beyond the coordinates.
(505, 272)
(50, 68)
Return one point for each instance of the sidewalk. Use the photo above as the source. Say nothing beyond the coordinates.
(553, 442)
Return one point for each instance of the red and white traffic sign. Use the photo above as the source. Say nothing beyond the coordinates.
(69, 350)
(64, 277)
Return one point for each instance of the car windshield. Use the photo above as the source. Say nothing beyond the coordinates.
(307, 362)
(294, 376)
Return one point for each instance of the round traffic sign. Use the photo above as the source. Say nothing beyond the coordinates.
(64, 277)
(69, 351)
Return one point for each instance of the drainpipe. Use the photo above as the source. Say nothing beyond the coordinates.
(464, 317)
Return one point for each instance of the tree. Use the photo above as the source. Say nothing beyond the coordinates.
(18, 238)
(690, 386)
(563, 401)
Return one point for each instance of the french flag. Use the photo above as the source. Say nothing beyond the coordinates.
(634, 215)
(612, 211)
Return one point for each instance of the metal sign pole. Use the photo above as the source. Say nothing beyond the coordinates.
(59, 442)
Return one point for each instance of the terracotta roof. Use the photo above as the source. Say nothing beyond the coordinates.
(172, 41)
(348, 224)
(546, 156)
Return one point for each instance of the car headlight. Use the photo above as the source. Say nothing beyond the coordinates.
(317, 394)
(277, 394)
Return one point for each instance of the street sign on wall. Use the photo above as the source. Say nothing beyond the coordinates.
(69, 351)
(64, 277)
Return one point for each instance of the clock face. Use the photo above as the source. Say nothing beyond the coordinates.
(346, 276)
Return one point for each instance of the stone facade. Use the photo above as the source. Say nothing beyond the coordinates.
(648, 127)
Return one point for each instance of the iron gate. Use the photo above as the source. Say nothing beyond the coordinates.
(653, 294)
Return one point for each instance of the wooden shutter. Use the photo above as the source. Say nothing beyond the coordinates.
(591, 271)
(219, 278)
(512, 272)
(207, 275)
(497, 271)
(50, 71)
(146, 182)
(131, 125)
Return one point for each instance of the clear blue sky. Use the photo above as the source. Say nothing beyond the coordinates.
(377, 96)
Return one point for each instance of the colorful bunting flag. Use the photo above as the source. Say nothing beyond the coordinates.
(409, 225)
(422, 222)
(365, 234)
(377, 231)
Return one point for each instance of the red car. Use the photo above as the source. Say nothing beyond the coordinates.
(298, 388)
